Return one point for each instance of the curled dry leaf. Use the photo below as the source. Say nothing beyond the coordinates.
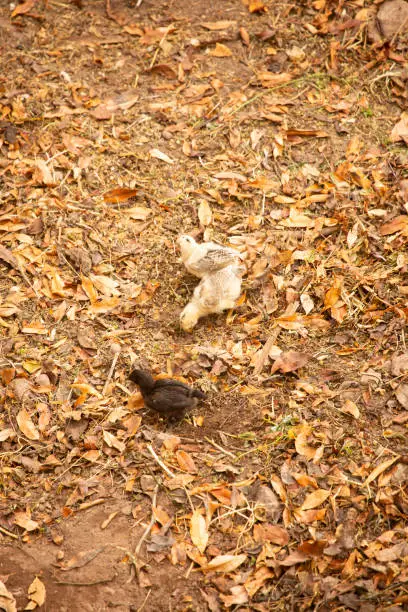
(401, 393)
(199, 531)
(266, 532)
(36, 593)
(290, 361)
(120, 194)
(7, 601)
(398, 224)
(81, 559)
(113, 442)
(27, 426)
(350, 407)
(400, 130)
(204, 213)
(23, 520)
(162, 156)
(225, 563)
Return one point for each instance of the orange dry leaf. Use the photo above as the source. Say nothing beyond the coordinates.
(121, 194)
(89, 289)
(26, 425)
(333, 294)
(267, 532)
(398, 224)
(314, 499)
(35, 327)
(186, 462)
(220, 51)
(256, 6)
(24, 8)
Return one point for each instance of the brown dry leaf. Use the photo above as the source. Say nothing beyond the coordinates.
(400, 130)
(379, 470)
(266, 532)
(297, 219)
(7, 601)
(257, 580)
(198, 531)
(292, 133)
(217, 25)
(26, 7)
(302, 446)
(244, 36)
(81, 559)
(398, 224)
(294, 558)
(225, 563)
(401, 393)
(164, 70)
(120, 194)
(161, 516)
(220, 50)
(186, 462)
(333, 294)
(124, 101)
(350, 407)
(105, 305)
(88, 287)
(23, 520)
(238, 597)
(315, 499)
(269, 80)
(8, 257)
(309, 516)
(113, 442)
(204, 213)
(36, 593)
(35, 327)
(92, 456)
(27, 426)
(290, 361)
(135, 401)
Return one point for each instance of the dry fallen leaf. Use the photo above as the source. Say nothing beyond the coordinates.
(23, 520)
(220, 50)
(400, 130)
(7, 600)
(225, 563)
(290, 361)
(36, 593)
(204, 213)
(26, 425)
(186, 462)
(315, 499)
(198, 531)
(162, 156)
(350, 407)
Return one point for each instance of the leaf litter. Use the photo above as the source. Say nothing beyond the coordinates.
(283, 134)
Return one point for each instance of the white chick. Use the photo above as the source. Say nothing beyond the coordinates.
(207, 257)
(214, 293)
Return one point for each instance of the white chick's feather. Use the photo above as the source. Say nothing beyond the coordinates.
(207, 257)
(215, 293)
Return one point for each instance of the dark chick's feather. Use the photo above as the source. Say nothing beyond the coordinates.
(166, 396)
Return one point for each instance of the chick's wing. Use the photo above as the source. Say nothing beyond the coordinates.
(213, 259)
(169, 399)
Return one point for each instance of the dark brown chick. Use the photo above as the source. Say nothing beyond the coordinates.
(166, 396)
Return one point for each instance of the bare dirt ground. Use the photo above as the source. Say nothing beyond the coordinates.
(274, 127)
